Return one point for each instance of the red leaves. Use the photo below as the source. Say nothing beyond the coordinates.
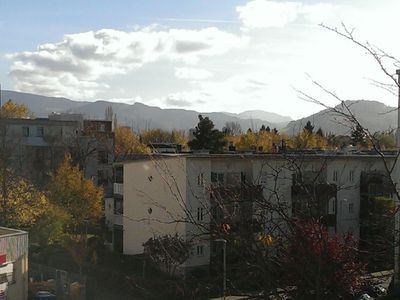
(316, 260)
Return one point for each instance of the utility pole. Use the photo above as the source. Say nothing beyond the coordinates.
(223, 241)
(398, 108)
(396, 179)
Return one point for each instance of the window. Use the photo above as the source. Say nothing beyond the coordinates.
(335, 176)
(200, 250)
(7, 273)
(217, 177)
(351, 176)
(25, 131)
(118, 206)
(39, 131)
(200, 179)
(119, 174)
(351, 208)
(102, 157)
(200, 213)
(332, 206)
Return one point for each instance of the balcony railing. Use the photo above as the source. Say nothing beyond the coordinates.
(119, 188)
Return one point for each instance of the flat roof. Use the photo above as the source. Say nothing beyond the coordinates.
(4, 231)
(328, 154)
(39, 121)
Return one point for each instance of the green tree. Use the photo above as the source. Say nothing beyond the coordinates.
(49, 229)
(79, 197)
(385, 141)
(358, 136)
(206, 137)
(309, 128)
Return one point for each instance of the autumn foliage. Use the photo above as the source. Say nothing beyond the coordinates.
(21, 203)
(79, 197)
(319, 264)
(12, 110)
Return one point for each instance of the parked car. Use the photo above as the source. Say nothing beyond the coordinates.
(44, 295)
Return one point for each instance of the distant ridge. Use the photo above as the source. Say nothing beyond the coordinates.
(373, 115)
(138, 115)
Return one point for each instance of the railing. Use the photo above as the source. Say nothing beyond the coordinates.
(119, 188)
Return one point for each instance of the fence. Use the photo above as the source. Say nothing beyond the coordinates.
(65, 285)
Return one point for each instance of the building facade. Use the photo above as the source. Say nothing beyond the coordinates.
(195, 195)
(35, 147)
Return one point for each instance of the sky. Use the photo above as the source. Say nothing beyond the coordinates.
(205, 55)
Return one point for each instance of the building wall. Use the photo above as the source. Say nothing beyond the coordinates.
(14, 245)
(171, 184)
(348, 177)
(154, 198)
(198, 178)
(275, 178)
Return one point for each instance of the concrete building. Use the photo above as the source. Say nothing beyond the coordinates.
(13, 264)
(35, 147)
(188, 194)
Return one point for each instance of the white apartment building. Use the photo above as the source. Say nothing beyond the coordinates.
(168, 193)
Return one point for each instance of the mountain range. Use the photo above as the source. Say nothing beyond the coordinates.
(373, 115)
(141, 116)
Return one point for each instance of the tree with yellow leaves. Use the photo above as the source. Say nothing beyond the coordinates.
(127, 143)
(79, 197)
(21, 204)
(12, 110)
(158, 135)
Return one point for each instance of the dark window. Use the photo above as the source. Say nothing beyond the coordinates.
(200, 250)
(200, 179)
(351, 208)
(119, 174)
(25, 131)
(118, 206)
(200, 213)
(39, 131)
(217, 177)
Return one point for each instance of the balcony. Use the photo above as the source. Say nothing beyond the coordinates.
(119, 189)
(118, 219)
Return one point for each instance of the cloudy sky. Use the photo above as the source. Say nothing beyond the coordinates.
(207, 55)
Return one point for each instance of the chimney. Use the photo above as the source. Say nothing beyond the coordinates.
(398, 111)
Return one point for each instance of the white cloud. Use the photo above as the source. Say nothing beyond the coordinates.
(266, 13)
(263, 13)
(221, 71)
(76, 66)
(192, 73)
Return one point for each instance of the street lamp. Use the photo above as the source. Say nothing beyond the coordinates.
(223, 241)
